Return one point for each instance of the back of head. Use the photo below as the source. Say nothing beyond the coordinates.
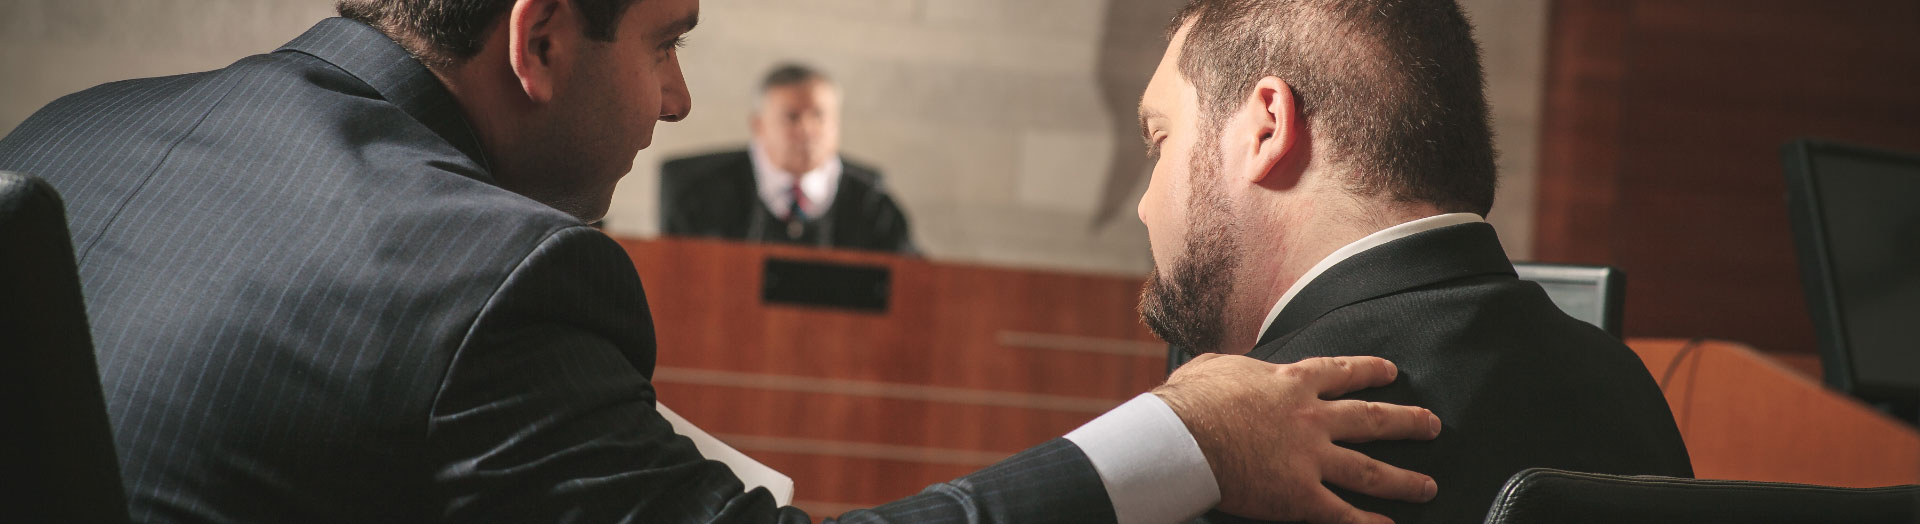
(1391, 89)
(444, 32)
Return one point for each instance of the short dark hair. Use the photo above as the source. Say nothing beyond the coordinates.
(454, 30)
(1394, 87)
(791, 74)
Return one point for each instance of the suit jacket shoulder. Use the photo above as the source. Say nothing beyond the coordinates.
(698, 168)
(280, 260)
(1516, 382)
(865, 214)
(709, 195)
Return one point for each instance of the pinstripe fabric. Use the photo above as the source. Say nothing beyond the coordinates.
(311, 305)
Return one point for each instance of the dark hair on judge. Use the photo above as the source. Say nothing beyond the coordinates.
(791, 74)
(454, 30)
(1393, 87)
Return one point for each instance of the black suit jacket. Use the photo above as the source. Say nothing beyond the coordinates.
(715, 195)
(1516, 382)
(311, 304)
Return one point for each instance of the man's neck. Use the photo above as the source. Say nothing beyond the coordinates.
(1296, 238)
(477, 88)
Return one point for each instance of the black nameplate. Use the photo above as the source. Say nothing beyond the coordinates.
(824, 284)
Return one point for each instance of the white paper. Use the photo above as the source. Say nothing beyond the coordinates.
(751, 472)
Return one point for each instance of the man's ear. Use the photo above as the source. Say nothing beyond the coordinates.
(1275, 126)
(540, 39)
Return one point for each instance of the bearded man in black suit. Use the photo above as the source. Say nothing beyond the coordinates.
(791, 185)
(1323, 170)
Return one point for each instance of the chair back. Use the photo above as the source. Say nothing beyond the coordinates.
(1543, 496)
(58, 447)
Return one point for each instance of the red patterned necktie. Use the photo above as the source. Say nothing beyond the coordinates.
(798, 211)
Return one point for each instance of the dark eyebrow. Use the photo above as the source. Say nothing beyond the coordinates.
(679, 27)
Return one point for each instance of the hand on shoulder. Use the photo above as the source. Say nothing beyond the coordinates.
(1268, 433)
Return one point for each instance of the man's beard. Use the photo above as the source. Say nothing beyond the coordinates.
(1185, 303)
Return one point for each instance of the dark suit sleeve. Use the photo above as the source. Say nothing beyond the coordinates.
(546, 414)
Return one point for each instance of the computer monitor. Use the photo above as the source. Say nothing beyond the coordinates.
(1593, 294)
(1856, 226)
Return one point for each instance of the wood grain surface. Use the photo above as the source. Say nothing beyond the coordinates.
(1747, 416)
(1660, 146)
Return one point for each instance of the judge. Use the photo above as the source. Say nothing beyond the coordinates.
(790, 185)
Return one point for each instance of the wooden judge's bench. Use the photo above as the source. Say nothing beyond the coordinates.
(967, 364)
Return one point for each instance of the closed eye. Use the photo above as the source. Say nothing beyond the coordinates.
(1151, 122)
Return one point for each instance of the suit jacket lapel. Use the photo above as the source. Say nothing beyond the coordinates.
(1420, 260)
(401, 79)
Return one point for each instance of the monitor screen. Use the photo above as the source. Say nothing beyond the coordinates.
(1589, 293)
(1578, 300)
(1857, 221)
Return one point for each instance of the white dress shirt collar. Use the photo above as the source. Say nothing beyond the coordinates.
(1364, 243)
(776, 185)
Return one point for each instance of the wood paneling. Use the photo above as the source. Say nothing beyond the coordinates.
(1746, 416)
(1580, 127)
(967, 366)
(945, 326)
(1660, 148)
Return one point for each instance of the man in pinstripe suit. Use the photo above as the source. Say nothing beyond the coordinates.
(349, 281)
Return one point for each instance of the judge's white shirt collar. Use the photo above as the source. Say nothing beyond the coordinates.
(1364, 243)
(776, 185)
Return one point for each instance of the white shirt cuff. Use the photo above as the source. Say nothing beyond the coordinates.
(1152, 468)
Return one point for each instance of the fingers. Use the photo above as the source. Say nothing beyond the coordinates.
(1361, 421)
(1335, 376)
(1355, 471)
(1326, 508)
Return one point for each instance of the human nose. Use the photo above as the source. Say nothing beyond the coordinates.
(810, 127)
(675, 99)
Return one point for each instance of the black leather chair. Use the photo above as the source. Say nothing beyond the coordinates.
(56, 448)
(1542, 496)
